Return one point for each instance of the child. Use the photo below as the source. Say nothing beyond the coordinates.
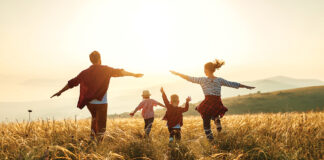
(212, 107)
(147, 111)
(173, 115)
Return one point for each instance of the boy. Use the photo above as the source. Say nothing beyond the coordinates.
(173, 115)
(147, 111)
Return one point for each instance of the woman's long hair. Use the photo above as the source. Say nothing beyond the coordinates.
(212, 66)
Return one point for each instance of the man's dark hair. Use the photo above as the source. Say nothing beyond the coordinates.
(94, 57)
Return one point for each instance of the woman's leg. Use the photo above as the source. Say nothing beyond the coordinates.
(218, 123)
(208, 131)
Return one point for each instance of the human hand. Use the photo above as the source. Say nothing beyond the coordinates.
(249, 87)
(138, 75)
(162, 90)
(173, 72)
(131, 114)
(56, 94)
(188, 99)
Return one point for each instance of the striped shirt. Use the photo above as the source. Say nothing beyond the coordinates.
(213, 86)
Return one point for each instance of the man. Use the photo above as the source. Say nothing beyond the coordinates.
(94, 83)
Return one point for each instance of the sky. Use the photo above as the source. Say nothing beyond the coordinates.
(45, 43)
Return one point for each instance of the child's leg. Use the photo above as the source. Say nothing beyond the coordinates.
(148, 125)
(171, 137)
(178, 134)
(208, 132)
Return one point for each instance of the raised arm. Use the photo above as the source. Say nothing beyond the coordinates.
(165, 98)
(187, 105)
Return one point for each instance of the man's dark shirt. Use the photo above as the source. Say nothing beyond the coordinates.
(94, 82)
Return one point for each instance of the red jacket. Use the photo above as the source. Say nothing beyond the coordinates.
(94, 82)
(173, 115)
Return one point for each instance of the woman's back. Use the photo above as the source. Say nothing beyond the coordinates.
(212, 86)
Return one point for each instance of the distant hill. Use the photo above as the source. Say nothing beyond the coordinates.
(293, 100)
(282, 82)
(125, 100)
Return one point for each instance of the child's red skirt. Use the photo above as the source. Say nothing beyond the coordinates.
(211, 106)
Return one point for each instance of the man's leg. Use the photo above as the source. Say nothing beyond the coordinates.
(94, 124)
(208, 131)
(101, 116)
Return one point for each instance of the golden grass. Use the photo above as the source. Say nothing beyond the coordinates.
(259, 136)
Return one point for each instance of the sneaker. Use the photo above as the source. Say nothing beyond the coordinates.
(171, 139)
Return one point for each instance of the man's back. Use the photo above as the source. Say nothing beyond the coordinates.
(94, 82)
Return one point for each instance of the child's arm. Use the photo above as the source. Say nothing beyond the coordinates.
(140, 106)
(160, 104)
(187, 105)
(165, 98)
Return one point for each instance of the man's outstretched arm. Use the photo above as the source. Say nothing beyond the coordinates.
(72, 83)
(66, 87)
(125, 73)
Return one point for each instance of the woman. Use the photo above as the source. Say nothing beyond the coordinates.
(212, 108)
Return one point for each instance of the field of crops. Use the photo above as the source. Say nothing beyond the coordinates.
(259, 136)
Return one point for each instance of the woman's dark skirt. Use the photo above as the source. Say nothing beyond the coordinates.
(211, 106)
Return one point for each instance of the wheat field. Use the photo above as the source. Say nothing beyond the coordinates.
(258, 136)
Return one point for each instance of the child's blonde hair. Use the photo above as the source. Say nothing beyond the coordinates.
(174, 98)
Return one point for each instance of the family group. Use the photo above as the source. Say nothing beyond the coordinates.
(94, 83)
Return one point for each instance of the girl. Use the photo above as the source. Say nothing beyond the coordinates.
(147, 110)
(212, 108)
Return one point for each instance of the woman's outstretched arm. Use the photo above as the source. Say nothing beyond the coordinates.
(247, 87)
(234, 84)
(197, 80)
(180, 75)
